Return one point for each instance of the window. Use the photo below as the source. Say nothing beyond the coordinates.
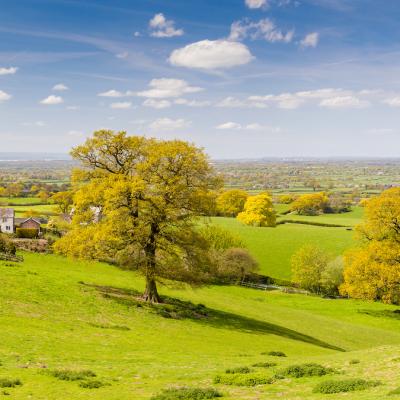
(8, 228)
(4, 219)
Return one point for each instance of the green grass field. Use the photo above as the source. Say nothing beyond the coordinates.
(19, 200)
(274, 247)
(42, 210)
(56, 314)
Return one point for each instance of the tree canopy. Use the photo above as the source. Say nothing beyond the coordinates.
(258, 211)
(310, 204)
(135, 202)
(372, 271)
(231, 202)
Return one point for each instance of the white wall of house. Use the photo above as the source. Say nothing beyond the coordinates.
(6, 224)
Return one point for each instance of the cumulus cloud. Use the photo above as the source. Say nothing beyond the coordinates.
(123, 105)
(8, 71)
(116, 93)
(60, 87)
(211, 54)
(254, 4)
(122, 55)
(167, 124)
(310, 40)
(158, 104)
(4, 96)
(165, 87)
(263, 29)
(163, 28)
(392, 101)
(52, 100)
(344, 102)
(255, 126)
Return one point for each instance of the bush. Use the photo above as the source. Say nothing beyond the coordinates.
(264, 365)
(92, 384)
(7, 246)
(347, 385)
(352, 362)
(9, 383)
(304, 370)
(187, 394)
(238, 370)
(275, 353)
(27, 233)
(70, 375)
(242, 380)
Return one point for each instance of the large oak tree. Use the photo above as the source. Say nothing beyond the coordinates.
(136, 201)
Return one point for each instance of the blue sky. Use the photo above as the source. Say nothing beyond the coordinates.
(242, 78)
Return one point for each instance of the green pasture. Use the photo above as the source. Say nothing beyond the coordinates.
(57, 313)
(274, 247)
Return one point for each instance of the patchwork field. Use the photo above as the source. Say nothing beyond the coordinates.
(59, 314)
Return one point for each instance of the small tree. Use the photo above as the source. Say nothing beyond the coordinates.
(310, 204)
(258, 211)
(63, 200)
(308, 265)
(231, 202)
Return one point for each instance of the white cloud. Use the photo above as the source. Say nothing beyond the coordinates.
(122, 55)
(231, 102)
(123, 105)
(392, 102)
(167, 124)
(75, 133)
(263, 29)
(192, 103)
(254, 4)
(165, 87)
(60, 87)
(288, 101)
(4, 96)
(158, 104)
(229, 125)
(36, 123)
(310, 40)
(116, 93)
(211, 54)
(344, 102)
(324, 93)
(52, 100)
(8, 71)
(137, 34)
(163, 28)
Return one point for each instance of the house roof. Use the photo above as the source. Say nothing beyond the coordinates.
(19, 221)
(6, 213)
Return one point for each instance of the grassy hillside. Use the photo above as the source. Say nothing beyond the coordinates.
(273, 247)
(56, 313)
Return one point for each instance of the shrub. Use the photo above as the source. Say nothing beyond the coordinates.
(347, 385)
(92, 384)
(275, 353)
(9, 383)
(70, 375)
(264, 365)
(187, 394)
(238, 370)
(352, 362)
(242, 380)
(7, 246)
(27, 233)
(303, 370)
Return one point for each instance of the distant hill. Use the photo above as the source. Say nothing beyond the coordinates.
(26, 156)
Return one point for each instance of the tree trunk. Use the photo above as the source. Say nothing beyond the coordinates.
(151, 294)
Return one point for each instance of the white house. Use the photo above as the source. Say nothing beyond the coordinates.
(7, 220)
(9, 224)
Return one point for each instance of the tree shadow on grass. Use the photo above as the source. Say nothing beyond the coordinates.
(178, 309)
(392, 314)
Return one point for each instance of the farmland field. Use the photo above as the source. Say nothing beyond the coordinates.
(55, 314)
(273, 247)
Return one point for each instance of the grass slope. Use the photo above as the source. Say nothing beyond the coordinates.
(50, 320)
(274, 247)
